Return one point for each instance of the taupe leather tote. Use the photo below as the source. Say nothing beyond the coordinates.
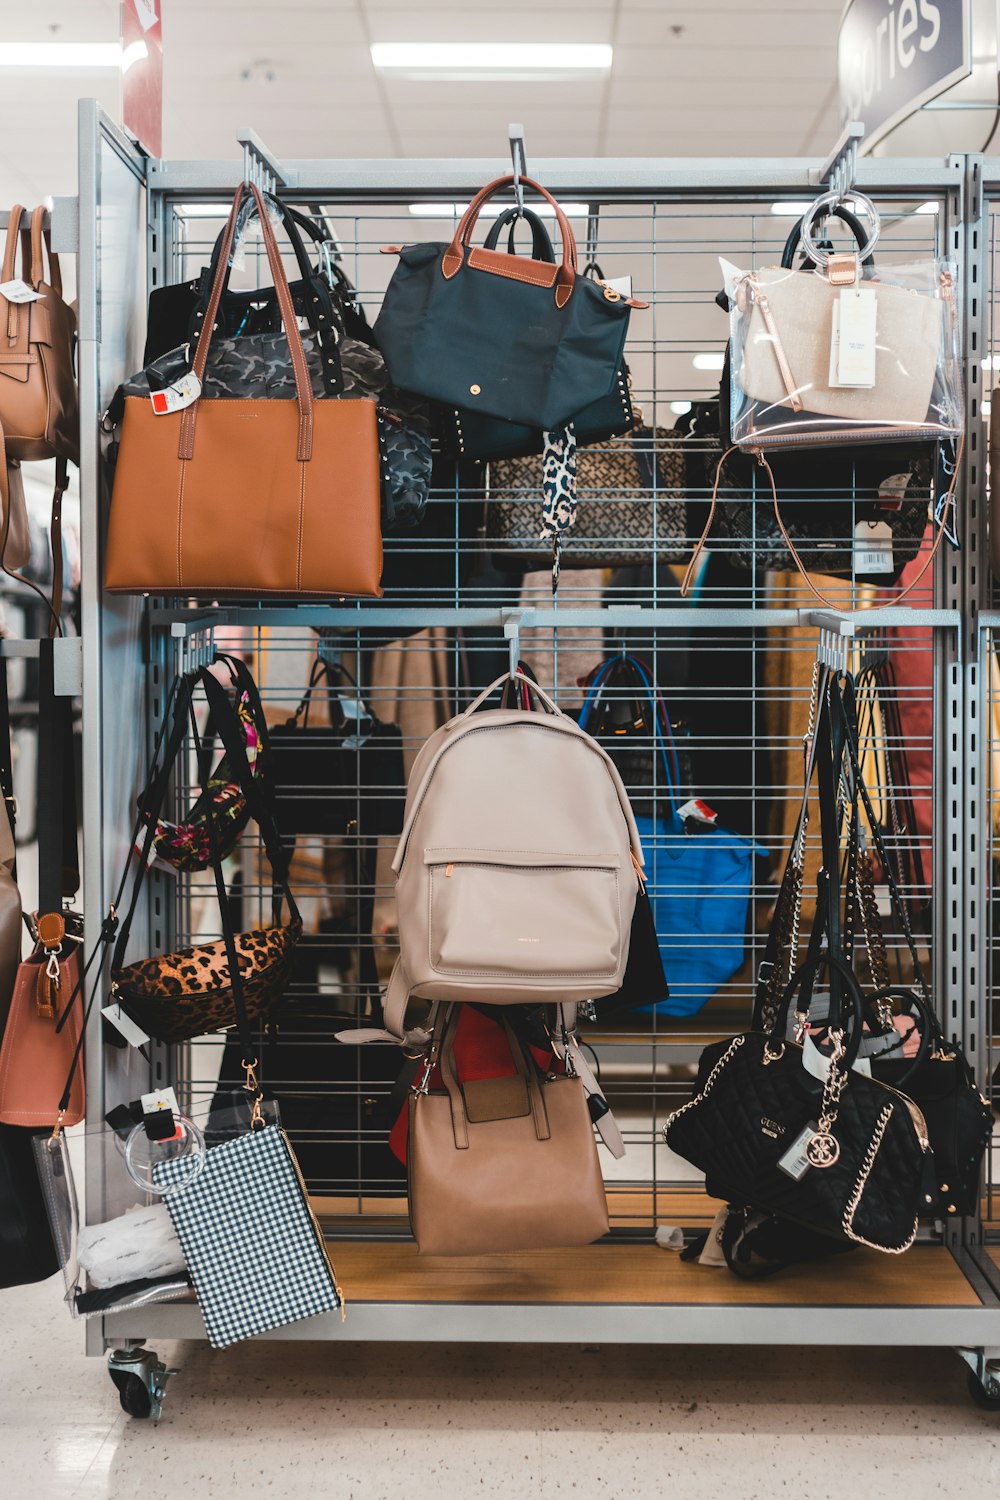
(502, 1164)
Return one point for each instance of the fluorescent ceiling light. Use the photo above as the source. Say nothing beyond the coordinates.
(62, 54)
(714, 361)
(791, 210)
(458, 60)
(493, 211)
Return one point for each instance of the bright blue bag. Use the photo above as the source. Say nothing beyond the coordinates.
(699, 883)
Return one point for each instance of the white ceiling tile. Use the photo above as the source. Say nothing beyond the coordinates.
(723, 69)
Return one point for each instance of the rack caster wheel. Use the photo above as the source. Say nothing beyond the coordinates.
(984, 1391)
(140, 1380)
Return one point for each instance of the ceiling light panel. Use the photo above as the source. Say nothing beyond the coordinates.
(533, 61)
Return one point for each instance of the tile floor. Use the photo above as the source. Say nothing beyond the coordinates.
(377, 1422)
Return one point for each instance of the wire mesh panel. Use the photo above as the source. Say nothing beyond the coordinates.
(732, 657)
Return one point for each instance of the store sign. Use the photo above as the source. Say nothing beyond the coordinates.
(895, 55)
(142, 72)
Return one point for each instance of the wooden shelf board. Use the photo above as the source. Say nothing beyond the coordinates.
(643, 1274)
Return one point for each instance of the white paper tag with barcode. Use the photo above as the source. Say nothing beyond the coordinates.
(183, 392)
(19, 291)
(795, 1161)
(133, 1034)
(856, 323)
(873, 547)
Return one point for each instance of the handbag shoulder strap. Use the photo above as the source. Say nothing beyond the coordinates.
(58, 858)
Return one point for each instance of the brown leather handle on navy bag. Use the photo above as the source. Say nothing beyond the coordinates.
(453, 258)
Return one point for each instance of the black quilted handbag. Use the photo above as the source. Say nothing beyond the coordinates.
(848, 1158)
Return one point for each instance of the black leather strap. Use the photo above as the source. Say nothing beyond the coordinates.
(541, 243)
(58, 857)
(853, 223)
(6, 765)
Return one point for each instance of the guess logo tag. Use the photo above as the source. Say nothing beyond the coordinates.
(183, 392)
(795, 1161)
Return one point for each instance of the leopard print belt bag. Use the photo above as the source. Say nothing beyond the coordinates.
(187, 993)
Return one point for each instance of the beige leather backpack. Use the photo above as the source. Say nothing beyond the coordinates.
(518, 864)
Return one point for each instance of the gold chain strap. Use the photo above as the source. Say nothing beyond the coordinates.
(859, 1187)
(710, 1081)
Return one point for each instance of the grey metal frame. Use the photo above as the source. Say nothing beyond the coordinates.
(961, 872)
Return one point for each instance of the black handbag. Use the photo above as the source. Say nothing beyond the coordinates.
(323, 295)
(528, 341)
(349, 771)
(848, 1158)
(821, 503)
(470, 434)
(939, 1079)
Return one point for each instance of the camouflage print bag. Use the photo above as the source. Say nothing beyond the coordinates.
(259, 365)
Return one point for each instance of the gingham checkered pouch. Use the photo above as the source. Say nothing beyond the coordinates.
(253, 1247)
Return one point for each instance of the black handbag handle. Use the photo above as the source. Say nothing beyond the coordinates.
(801, 985)
(541, 244)
(853, 223)
(291, 221)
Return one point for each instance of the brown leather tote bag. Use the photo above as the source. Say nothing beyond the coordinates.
(39, 411)
(260, 498)
(502, 1164)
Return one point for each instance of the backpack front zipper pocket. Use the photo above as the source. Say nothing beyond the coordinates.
(525, 915)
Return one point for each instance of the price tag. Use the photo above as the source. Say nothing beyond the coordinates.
(19, 291)
(697, 811)
(620, 284)
(794, 1162)
(852, 338)
(183, 392)
(873, 547)
(133, 1034)
(159, 1099)
(892, 490)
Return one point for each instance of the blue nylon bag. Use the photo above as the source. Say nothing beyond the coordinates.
(699, 883)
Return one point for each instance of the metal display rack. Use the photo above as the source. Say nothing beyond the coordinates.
(144, 223)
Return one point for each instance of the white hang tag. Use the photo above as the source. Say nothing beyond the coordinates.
(159, 1099)
(183, 392)
(883, 900)
(354, 741)
(873, 547)
(817, 1062)
(620, 284)
(146, 11)
(795, 1161)
(352, 708)
(19, 291)
(133, 1034)
(856, 317)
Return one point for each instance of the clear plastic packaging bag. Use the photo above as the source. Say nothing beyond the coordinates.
(842, 350)
(125, 1162)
